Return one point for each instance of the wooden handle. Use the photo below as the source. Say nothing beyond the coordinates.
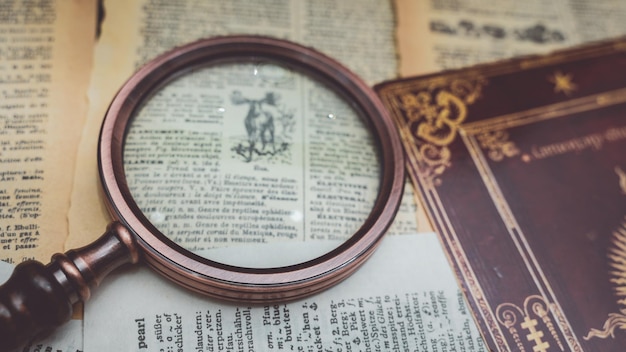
(38, 298)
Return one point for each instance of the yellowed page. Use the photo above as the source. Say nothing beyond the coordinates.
(412, 37)
(45, 59)
(359, 35)
(88, 216)
(436, 35)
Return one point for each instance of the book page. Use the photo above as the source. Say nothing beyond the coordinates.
(360, 36)
(438, 35)
(404, 298)
(45, 58)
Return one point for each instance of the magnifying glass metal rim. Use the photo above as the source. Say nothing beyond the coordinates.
(225, 281)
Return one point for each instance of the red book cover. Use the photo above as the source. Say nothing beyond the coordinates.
(521, 165)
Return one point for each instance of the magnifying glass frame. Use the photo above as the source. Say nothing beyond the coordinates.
(227, 281)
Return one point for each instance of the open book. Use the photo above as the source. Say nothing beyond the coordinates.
(61, 68)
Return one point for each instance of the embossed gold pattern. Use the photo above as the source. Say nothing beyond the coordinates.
(434, 116)
(508, 314)
(511, 317)
(617, 260)
(497, 144)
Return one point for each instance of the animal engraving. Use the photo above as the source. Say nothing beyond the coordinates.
(260, 123)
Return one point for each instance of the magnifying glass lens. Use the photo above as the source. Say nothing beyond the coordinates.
(242, 167)
(252, 164)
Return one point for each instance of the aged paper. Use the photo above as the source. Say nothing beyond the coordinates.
(404, 298)
(435, 35)
(45, 58)
(135, 32)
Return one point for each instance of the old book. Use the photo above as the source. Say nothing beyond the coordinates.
(522, 167)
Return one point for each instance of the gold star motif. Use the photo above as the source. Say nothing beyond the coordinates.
(563, 83)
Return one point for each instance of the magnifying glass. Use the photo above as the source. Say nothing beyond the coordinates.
(242, 167)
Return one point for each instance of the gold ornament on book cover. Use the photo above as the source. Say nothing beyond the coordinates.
(617, 260)
(434, 115)
(498, 145)
(532, 323)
